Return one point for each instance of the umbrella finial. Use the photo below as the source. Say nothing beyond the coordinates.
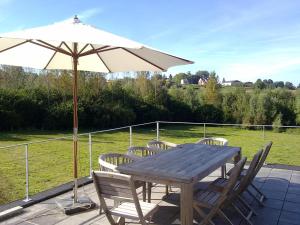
(76, 20)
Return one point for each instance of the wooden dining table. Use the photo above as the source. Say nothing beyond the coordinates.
(182, 166)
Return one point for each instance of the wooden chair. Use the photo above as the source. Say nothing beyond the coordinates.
(264, 156)
(261, 162)
(163, 145)
(121, 188)
(246, 211)
(137, 152)
(214, 200)
(215, 141)
(110, 161)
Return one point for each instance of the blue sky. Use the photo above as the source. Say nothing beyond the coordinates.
(239, 39)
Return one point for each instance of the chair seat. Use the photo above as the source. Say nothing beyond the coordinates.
(128, 210)
(206, 198)
(243, 173)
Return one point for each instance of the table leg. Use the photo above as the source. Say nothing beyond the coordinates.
(238, 157)
(186, 204)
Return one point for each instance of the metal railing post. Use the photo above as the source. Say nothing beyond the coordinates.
(204, 130)
(157, 131)
(26, 174)
(130, 136)
(90, 154)
(263, 132)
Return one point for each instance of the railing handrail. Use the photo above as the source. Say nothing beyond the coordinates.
(228, 124)
(69, 136)
(142, 124)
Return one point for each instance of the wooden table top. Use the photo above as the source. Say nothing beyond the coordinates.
(186, 163)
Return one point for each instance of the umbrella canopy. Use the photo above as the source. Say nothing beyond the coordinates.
(72, 45)
(52, 47)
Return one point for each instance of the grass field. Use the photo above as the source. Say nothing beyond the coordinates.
(50, 163)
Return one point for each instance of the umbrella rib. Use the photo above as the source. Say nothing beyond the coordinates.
(51, 47)
(65, 44)
(84, 47)
(102, 60)
(24, 42)
(52, 57)
(93, 51)
(144, 59)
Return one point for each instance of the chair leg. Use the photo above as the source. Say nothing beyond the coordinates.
(144, 192)
(149, 191)
(224, 217)
(246, 218)
(121, 221)
(223, 171)
(262, 196)
(204, 217)
(255, 198)
(167, 190)
(240, 198)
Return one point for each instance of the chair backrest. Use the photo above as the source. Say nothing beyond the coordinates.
(161, 145)
(264, 156)
(213, 141)
(250, 174)
(111, 185)
(110, 161)
(137, 151)
(234, 176)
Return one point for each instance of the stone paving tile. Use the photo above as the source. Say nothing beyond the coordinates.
(291, 207)
(269, 203)
(289, 218)
(294, 189)
(290, 197)
(267, 216)
(274, 194)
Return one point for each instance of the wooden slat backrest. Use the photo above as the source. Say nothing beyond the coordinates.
(113, 184)
(234, 176)
(110, 161)
(213, 141)
(263, 158)
(161, 144)
(109, 185)
(142, 151)
(236, 171)
(247, 179)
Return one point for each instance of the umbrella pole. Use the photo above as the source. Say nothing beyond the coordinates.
(75, 124)
(82, 203)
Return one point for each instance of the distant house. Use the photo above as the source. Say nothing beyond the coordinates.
(248, 84)
(184, 81)
(202, 82)
(231, 83)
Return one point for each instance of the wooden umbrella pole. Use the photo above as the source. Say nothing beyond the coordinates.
(75, 122)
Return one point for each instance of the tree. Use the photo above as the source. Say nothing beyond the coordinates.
(179, 76)
(203, 74)
(259, 84)
(279, 84)
(289, 85)
(212, 95)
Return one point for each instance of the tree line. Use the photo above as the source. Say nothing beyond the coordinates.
(29, 100)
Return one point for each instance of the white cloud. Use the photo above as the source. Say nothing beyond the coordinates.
(251, 71)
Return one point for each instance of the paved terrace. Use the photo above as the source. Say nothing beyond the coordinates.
(282, 187)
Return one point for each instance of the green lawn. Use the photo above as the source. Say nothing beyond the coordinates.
(50, 163)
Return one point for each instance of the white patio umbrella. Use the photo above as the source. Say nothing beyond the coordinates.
(72, 45)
